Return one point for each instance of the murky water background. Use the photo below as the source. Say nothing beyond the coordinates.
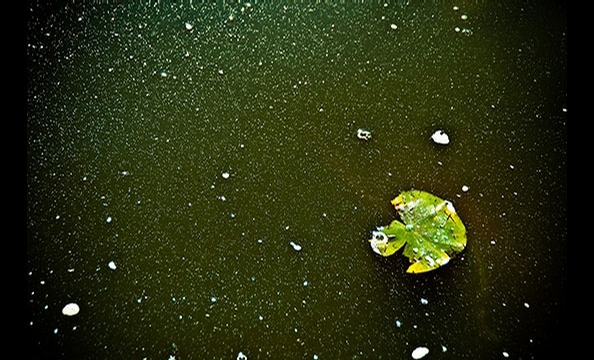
(191, 144)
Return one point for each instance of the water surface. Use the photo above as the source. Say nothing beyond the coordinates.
(191, 144)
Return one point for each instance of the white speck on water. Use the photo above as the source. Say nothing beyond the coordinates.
(305, 283)
(315, 356)
(112, 265)
(163, 74)
(222, 198)
(457, 29)
(221, 72)
(57, 217)
(398, 323)
(363, 134)
(260, 317)
(492, 242)
(225, 175)
(70, 309)
(424, 301)
(440, 137)
(511, 166)
(465, 188)
(393, 26)
(242, 356)
(189, 26)
(295, 246)
(443, 348)
(464, 17)
(420, 352)
(213, 299)
(505, 354)
(526, 305)
(108, 219)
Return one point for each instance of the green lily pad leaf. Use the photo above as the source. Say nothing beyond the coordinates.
(431, 230)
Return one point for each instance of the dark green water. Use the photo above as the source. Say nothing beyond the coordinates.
(191, 144)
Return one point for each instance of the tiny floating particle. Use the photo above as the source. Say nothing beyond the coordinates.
(464, 17)
(241, 356)
(393, 26)
(424, 301)
(296, 247)
(465, 188)
(112, 265)
(419, 352)
(363, 134)
(108, 219)
(189, 26)
(225, 175)
(440, 137)
(71, 309)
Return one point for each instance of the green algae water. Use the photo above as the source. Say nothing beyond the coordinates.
(196, 186)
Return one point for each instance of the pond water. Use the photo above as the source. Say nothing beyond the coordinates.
(196, 185)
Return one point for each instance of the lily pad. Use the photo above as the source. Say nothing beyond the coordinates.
(431, 229)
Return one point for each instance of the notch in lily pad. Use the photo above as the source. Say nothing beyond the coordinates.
(431, 231)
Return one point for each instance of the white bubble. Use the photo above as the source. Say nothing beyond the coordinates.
(419, 352)
(295, 246)
(108, 219)
(440, 137)
(189, 26)
(394, 26)
(112, 265)
(465, 188)
(71, 309)
(225, 175)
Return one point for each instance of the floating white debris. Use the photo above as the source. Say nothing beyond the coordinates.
(464, 17)
(305, 283)
(526, 305)
(424, 301)
(71, 309)
(112, 265)
(465, 188)
(296, 247)
(213, 299)
(221, 72)
(189, 26)
(505, 354)
(440, 137)
(455, 8)
(363, 134)
(419, 352)
(398, 323)
(108, 219)
(241, 356)
(225, 175)
(393, 26)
